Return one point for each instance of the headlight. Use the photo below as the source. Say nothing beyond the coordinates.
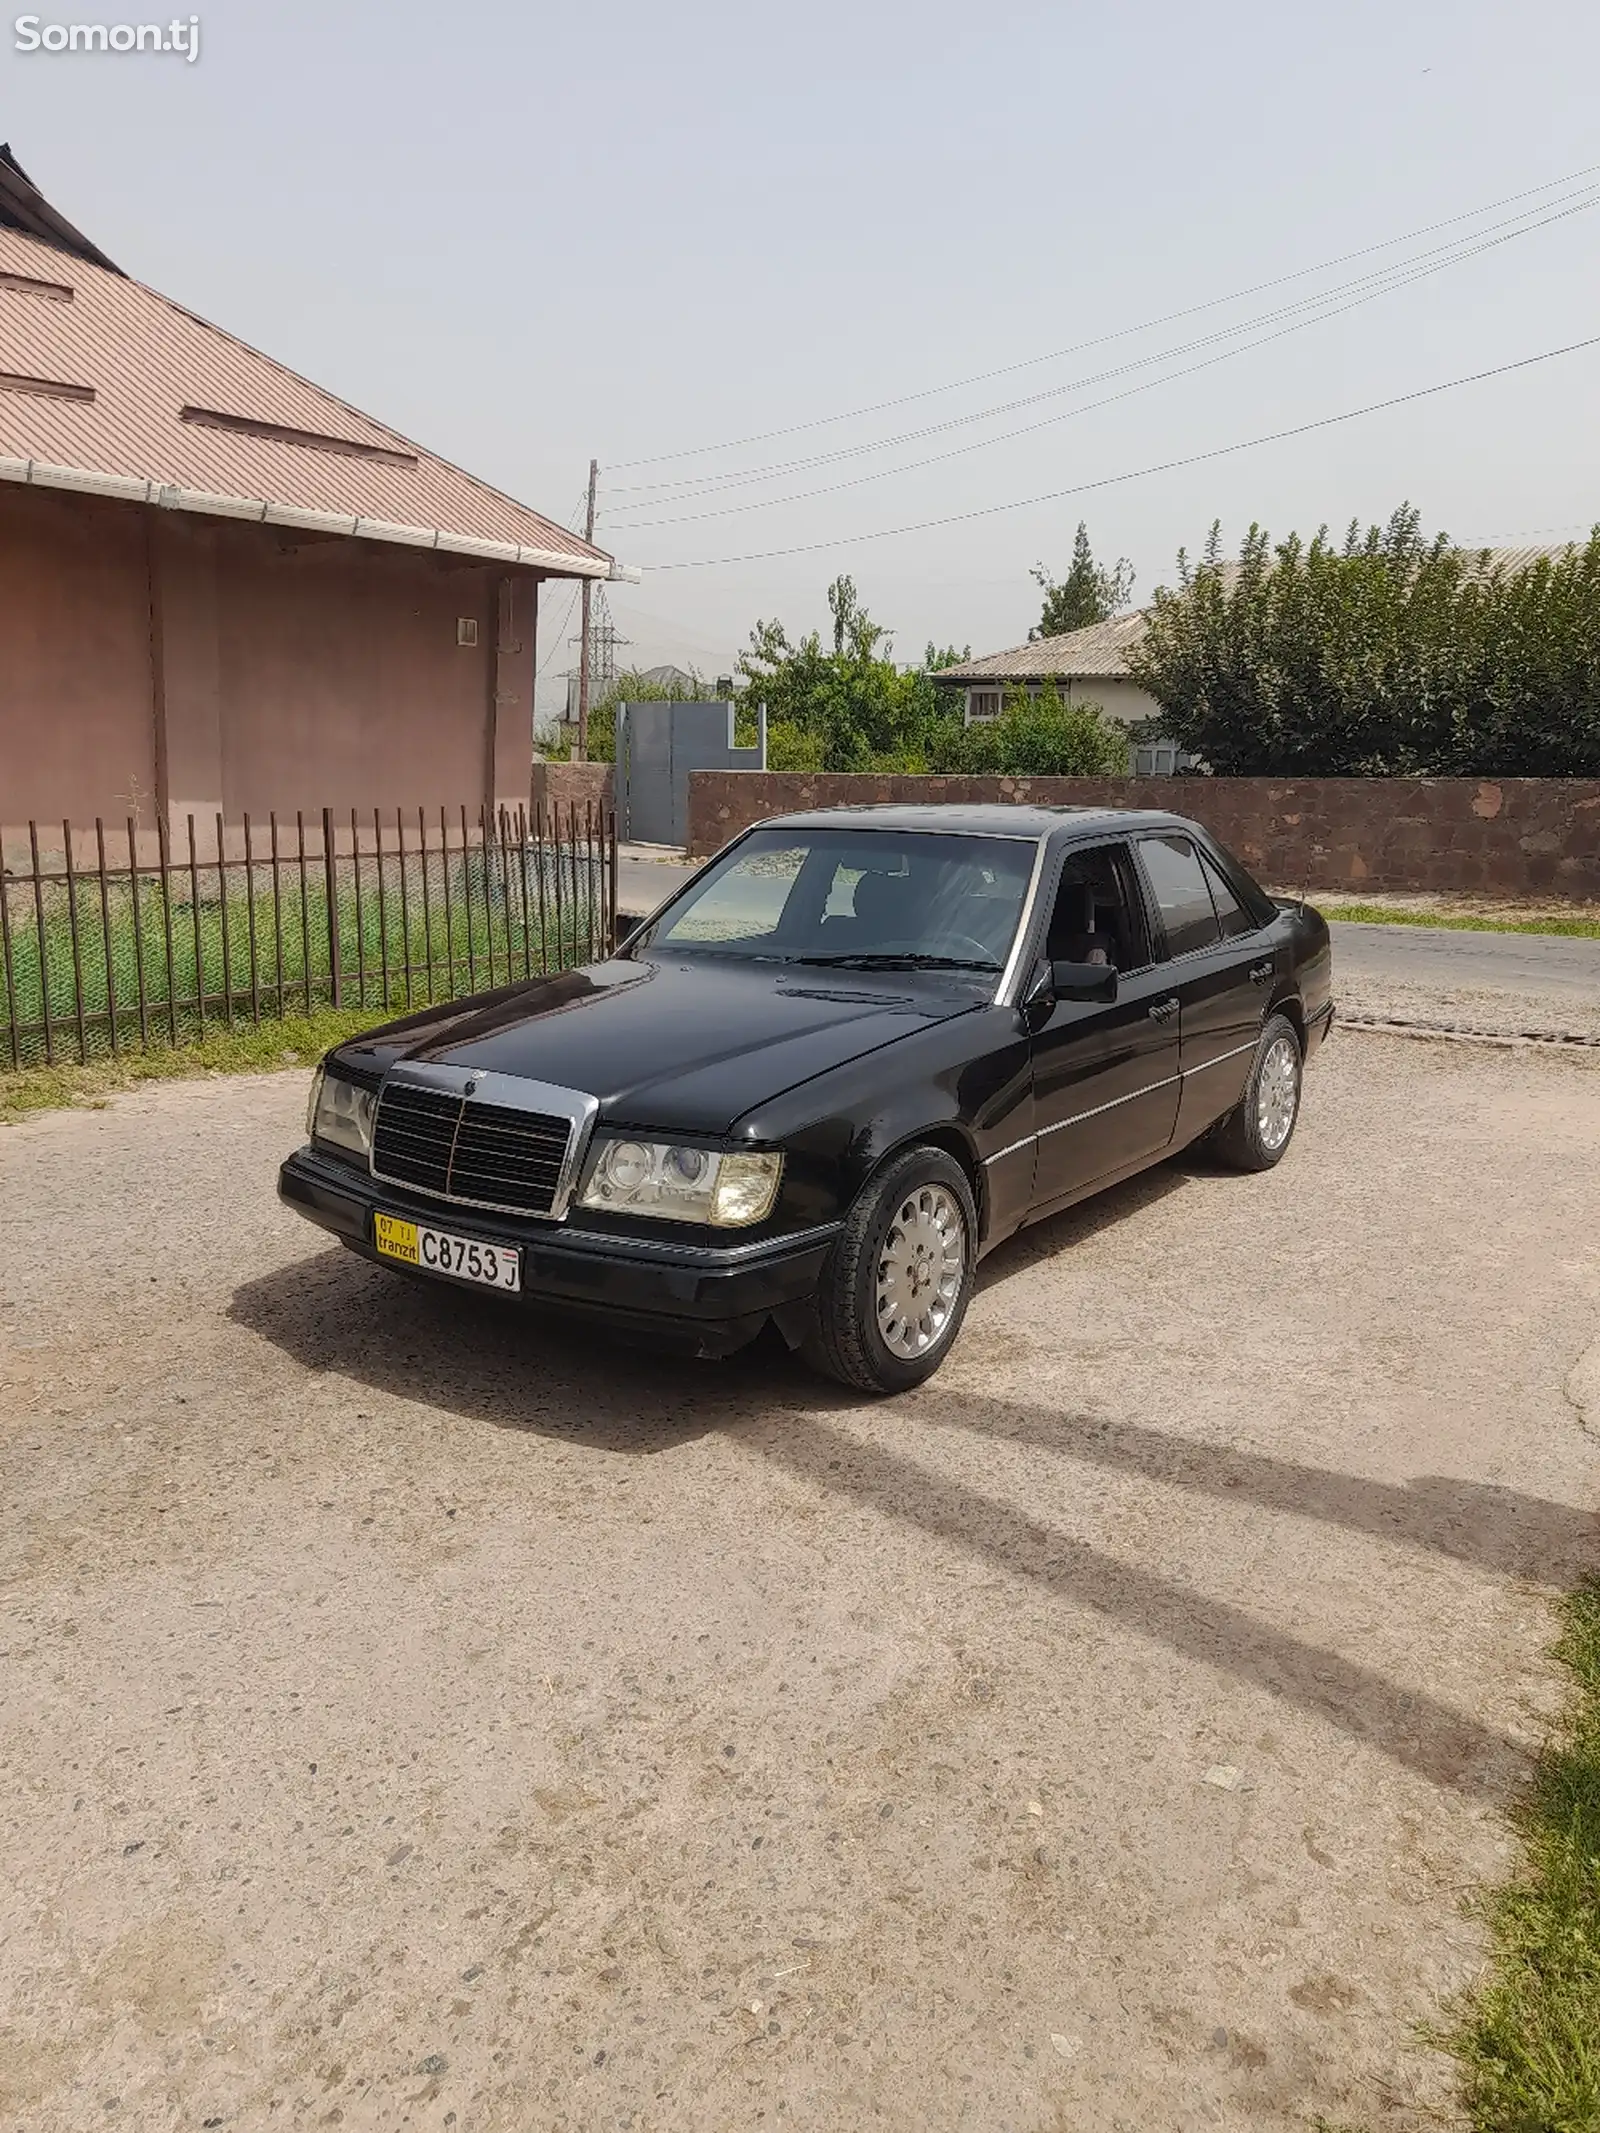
(340, 1113)
(681, 1184)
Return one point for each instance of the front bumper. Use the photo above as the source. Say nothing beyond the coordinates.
(1318, 1026)
(708, 1298)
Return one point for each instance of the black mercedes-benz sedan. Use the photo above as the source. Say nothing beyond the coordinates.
(853, 1053)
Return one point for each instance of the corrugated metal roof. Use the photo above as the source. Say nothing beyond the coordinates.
(1099, 652)
(1515, 559)
(146, 359)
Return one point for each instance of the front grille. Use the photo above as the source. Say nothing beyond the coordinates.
(490, 1153)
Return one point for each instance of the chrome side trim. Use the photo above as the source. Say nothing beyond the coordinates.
(508, 1092)
(1150, 1088)
(1238, 1048)
(1000, 1154)
(1005, 993)
(1115, 1104)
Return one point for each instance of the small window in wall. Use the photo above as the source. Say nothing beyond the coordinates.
(466, 629)
(1155, 759)
(982, 705)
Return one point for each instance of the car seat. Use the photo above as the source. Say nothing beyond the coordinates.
(1073, 935)
(883, 907)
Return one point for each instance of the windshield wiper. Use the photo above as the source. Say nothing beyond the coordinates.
(890, 960)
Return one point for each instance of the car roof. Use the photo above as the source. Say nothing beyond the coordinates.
(975, 818)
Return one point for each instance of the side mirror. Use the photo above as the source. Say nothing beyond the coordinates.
(1083, 981)
(1038, 996)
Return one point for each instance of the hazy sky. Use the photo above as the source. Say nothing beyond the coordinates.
(525, 235)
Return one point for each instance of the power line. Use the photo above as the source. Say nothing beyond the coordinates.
(1122, 333)
(1069, 414)
(1584, 526)
(1108, 481)
(1384, 281)
(561, 637)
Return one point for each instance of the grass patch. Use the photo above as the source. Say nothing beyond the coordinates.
(1586, 929)
(297, 1040)
(163, 955)
(1529, 2038)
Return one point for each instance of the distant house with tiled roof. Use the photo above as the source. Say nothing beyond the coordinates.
(1089, 665)
(227, 590)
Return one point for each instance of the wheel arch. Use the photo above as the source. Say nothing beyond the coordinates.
(950, 1140)
(1290, 1006)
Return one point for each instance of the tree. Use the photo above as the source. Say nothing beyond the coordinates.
(1385, 654)
(854, 709)
(1086, 594)
(1043, 736)
(851, 709)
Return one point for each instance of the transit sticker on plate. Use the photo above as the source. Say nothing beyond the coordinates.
(439, 1251)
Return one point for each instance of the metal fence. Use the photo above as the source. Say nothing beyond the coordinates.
(121, 943)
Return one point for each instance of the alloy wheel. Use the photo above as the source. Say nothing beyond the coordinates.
(1278, 1093)
(921, 1266)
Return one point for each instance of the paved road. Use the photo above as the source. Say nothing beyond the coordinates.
(413, 1714)
(644, 883)
(1440, 956)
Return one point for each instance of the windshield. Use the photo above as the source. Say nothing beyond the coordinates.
(868, 899)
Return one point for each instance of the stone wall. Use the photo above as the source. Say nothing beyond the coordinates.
(564, 785)
(1522, 837)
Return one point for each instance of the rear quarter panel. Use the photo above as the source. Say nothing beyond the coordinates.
(1312, 950)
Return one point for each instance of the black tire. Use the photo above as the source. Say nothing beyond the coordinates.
(849, 1342)
(1253, 1135)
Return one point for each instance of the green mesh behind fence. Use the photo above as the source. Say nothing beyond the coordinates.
(114, 950)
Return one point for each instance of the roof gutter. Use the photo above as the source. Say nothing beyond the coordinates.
(134, 489)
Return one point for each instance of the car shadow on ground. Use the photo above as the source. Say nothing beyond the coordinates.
(540, 1374)
(571, 1375)
(514, 1367)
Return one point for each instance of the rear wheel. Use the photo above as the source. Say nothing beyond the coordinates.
(896, 1288)
(1256, 1132)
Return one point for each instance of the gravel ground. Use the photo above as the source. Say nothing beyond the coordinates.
(413, 1714)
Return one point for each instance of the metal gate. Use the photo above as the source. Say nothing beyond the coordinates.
(658, 744)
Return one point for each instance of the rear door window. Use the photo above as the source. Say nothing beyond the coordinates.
(1188, 915)
(1232, 916)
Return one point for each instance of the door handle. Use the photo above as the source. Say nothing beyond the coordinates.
(1163, 1010)
(1261, 973)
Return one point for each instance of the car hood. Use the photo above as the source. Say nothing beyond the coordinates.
(688, 1045)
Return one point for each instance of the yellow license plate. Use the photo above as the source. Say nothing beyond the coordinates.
(396, 1239)
(438, 1251)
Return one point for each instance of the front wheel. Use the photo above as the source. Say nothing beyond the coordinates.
(896, 1288)
(1256, 1132)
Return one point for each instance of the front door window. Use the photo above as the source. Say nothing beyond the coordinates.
(1105, 1074)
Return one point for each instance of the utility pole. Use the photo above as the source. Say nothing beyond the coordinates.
(588, 589)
